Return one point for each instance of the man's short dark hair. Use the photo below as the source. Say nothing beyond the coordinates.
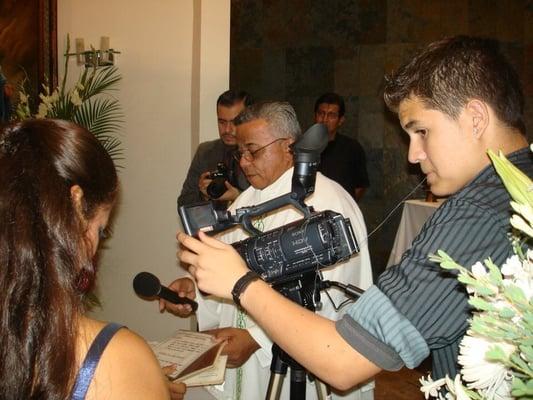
(450, 72)
(331, 98)
(231, 97)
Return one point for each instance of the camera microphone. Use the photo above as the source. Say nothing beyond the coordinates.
(146, 284)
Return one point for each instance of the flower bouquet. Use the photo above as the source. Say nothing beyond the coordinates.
(89, 103)
(496, 354)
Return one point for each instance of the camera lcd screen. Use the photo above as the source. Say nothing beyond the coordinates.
(197, 217)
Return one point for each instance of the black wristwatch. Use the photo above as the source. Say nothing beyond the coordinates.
(241, 285)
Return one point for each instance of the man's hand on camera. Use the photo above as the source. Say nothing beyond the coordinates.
(184, 287)
(230, 194)
(203, 183)
(240, 345)
(215, 265)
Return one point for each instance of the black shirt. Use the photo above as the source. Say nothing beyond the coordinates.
(344, 161)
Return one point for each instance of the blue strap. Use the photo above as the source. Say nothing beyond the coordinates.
(86, 372)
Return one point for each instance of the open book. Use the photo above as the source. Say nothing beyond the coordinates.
(196, 355)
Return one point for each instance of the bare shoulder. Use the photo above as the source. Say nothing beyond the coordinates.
(128, 369)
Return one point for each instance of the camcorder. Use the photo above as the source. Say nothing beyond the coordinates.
(287, 257)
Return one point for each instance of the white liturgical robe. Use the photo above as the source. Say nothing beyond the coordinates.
(214, 312)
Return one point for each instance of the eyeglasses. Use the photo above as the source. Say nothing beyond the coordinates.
(251, 155)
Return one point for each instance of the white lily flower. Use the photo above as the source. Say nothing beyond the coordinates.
(54, 96)
(524, 210)
(75, 98)
(42, 112)
(45, 99)
(520, 224)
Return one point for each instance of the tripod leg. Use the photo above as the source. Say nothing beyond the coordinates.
(278, 370)
(274, 386)
(322, 390)
(298, 383)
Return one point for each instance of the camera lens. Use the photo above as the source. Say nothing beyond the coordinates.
(216, 188)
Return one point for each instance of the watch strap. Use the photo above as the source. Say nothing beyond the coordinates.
(241, 285)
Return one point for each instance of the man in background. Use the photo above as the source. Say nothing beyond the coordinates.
(264, 134)
(210, 154)
(344, 159)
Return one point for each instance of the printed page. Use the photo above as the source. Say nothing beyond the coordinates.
(210, 376)
(183, 349)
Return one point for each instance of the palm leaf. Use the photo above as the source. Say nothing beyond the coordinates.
(102, 117)
(113, 147)
(63, 108)
(100, 81)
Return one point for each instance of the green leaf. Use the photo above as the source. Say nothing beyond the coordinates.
(515, 294)
(516, 359)
(494, 272)
(495, 353)
(527, 351)
(480, 304)
(507, 313)
(468, 280)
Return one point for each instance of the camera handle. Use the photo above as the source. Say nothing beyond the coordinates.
(244, 215)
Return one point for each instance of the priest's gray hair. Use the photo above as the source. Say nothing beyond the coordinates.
(279, 115)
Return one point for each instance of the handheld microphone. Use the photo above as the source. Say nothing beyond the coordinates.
(146, 284)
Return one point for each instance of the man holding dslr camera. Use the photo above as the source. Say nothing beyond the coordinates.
(265, 132)
(213, 173)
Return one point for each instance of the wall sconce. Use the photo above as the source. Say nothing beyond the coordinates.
(103, 57)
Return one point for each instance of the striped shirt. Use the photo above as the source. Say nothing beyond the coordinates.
(417, 308)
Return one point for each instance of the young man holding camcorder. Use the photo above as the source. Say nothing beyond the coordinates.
(455, 100)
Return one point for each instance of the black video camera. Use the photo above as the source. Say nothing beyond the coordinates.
(317, 241)
(287, 253)
(219, 176)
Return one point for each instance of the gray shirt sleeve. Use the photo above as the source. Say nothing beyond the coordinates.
(375, 328)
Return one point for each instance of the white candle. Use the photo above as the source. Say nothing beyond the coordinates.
(80, 45)
(104, 43)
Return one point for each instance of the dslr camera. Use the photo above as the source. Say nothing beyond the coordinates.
(219, 176)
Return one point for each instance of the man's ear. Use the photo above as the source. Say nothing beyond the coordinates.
(287, 145)
(341, 120)
(76, 195)
(477, 114)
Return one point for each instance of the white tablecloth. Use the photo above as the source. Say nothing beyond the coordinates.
(414, 215)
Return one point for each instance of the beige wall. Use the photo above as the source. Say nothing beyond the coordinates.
(174, 63)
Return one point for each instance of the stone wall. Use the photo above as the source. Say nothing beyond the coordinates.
(295, 50)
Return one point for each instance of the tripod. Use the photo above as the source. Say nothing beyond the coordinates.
(306, 292)
(278, 369)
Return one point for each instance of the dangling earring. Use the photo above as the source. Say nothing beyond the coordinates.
(85, 280)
